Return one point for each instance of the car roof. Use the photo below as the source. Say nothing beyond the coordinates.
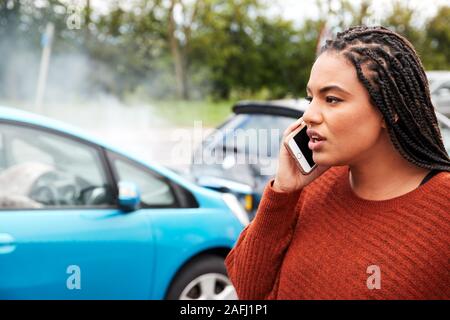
(26, 117)
(292, 108)
(438, 73)
(436, 78)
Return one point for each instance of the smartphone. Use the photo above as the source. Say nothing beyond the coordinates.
(297, 144)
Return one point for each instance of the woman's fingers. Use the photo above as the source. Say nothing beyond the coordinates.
(293, 126)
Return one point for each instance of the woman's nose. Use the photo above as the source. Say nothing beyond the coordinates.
(312, 115)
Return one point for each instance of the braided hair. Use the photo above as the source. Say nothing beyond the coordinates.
(392, 73)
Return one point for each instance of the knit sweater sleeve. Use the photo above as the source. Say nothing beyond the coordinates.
(253, 264)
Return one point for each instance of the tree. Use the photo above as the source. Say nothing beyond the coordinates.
(401, 20)
(179, 35)
(437, 41)
(226, 41)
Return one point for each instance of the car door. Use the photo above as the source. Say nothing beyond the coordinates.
(179, 225)
(62, 236)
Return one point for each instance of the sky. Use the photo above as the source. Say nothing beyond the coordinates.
(298, 10)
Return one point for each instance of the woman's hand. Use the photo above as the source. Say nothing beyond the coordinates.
(289, 177)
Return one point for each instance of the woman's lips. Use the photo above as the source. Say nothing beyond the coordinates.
(316, 140)
(313, 134)
(315, 145)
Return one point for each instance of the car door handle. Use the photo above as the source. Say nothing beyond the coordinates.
(7, 243)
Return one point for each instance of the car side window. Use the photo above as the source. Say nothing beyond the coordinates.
(155, 192)
(41, 169)
(22, 150)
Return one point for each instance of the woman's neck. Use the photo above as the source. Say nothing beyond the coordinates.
(384, 174)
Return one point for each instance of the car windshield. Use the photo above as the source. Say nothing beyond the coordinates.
(257, 134)
(259, 137)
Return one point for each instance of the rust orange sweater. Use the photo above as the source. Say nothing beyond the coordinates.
(323, 241)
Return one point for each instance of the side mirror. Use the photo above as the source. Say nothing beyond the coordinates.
(129, 196)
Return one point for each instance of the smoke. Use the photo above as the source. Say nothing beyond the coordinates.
(73, 95)
(18, 69)
(68, 78)
(80, 90)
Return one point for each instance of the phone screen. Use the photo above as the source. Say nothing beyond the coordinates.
(302, 139)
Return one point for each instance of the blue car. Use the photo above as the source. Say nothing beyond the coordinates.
(80, 219)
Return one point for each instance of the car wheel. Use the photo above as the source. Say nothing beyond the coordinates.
(203, 278)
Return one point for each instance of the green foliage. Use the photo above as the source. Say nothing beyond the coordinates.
(231, 49)
(436, 53)
(185, 113)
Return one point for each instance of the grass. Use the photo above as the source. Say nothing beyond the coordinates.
(184, 113)
(177, 112)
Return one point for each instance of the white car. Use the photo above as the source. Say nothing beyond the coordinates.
(439, 82)
(444, 124)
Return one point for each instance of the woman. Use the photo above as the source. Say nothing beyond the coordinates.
(372, 221)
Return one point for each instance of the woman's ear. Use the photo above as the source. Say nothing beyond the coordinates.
(395, 118)
(383, 123)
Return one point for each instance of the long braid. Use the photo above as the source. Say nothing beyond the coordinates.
(389, 68)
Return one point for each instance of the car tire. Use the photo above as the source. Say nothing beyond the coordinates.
(204, 278)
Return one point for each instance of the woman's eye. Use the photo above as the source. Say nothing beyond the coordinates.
(309, 99)
(332, 100)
